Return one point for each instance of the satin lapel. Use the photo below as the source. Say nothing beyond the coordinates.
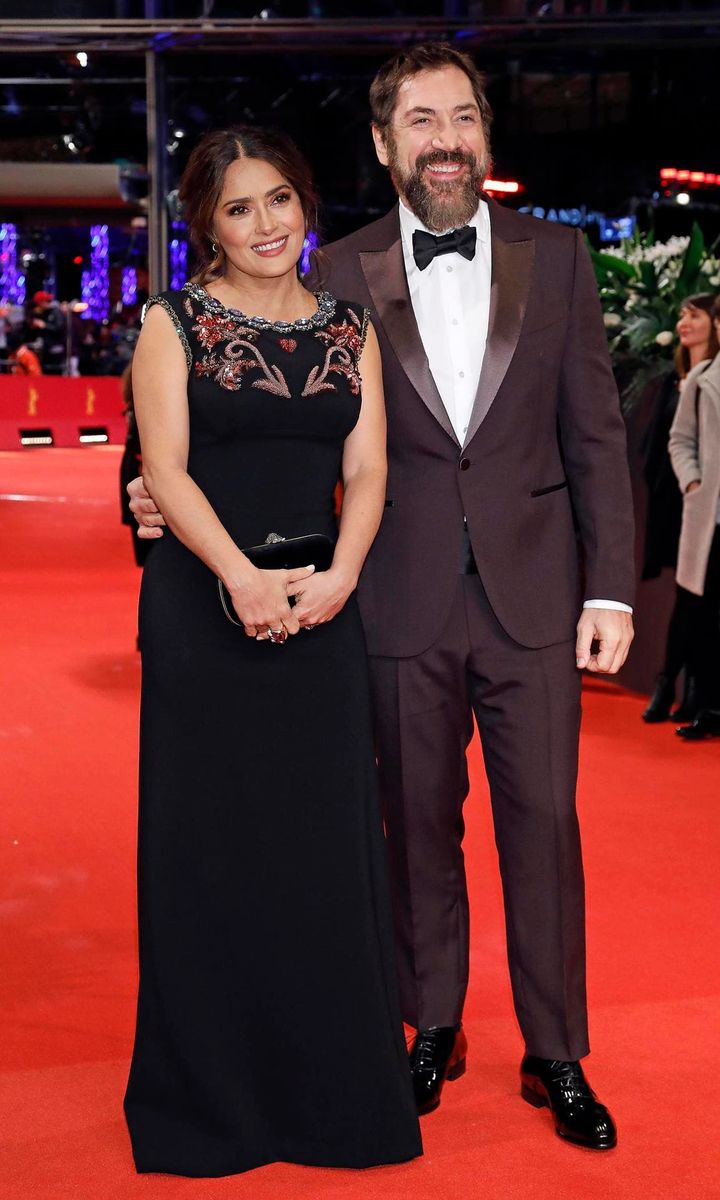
(384, 272)
(512, 267)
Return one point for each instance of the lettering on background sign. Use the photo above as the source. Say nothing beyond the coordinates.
(90, 402)
(581, 217)
(33, 397)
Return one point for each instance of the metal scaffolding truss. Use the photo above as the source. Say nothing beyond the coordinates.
(159, 42)
(274, 35)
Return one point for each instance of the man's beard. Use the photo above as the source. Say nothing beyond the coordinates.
(442, 204)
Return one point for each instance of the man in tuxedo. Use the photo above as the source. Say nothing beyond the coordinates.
(502, 568)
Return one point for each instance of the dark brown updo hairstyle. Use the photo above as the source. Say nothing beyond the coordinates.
(203, 178)
(706, 302)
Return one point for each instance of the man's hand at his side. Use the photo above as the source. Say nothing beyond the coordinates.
(144, 510)
(613, 630)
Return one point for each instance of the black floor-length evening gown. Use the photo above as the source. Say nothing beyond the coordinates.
(268, 1022)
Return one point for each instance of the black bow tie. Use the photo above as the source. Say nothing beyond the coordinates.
(426, 245)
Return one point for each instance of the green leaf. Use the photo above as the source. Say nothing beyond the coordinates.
(648, 278)
(688, 278)
(615, 266)
(642, 332)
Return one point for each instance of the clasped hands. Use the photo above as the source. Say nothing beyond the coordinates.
(262, 603)
(320, 597)
(262, 600)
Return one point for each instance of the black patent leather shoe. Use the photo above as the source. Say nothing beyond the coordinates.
(562, 1087)
(705, 725)
(437, 1054)
(661, 701)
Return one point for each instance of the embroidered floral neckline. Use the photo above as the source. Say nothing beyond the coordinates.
(324, 312)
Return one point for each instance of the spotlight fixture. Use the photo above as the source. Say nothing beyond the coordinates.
(78, 141)
(82, 58)
(36, 437)
(683, 198)
(176, 133)
(94, 435)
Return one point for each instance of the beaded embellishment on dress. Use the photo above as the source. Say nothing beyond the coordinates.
(325, 310)
(167, 306)
(233, 355)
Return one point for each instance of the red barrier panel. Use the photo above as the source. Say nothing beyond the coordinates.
(75, 411)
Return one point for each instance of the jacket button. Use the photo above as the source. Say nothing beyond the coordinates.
(464, 464)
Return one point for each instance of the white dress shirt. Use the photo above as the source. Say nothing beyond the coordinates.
(451, 298)
(451, 303)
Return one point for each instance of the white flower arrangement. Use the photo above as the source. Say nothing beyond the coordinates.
(656, 252)
(643, 284)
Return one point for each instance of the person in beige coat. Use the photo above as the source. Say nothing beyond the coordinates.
(695, 456)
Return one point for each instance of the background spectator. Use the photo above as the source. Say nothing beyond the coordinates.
(697, 341)
(22, 360)
(695, 454)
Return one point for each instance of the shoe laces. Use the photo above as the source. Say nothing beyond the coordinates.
(570, 1077)
(425, 1048)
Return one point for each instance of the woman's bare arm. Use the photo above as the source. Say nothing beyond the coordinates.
(364, 468)
(161, 408)
(364, 471)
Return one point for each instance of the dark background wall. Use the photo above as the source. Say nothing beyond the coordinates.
(587, 108)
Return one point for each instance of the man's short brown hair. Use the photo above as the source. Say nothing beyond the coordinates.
(429, 56)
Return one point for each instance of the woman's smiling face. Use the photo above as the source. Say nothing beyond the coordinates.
(259, 221)
(693, 326)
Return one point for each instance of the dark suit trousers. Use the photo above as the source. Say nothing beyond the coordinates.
(527, 706)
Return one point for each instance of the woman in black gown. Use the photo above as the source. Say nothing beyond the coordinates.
(268, 1023)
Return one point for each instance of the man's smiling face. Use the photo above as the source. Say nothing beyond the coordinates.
(435, 147)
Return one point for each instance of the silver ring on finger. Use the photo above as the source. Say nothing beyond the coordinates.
(278, 637)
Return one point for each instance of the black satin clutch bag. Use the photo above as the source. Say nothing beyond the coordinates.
(283, 554)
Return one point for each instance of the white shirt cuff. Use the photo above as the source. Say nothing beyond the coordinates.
(617, 604)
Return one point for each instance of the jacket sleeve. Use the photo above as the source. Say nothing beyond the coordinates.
(683, 445)
(592, 434)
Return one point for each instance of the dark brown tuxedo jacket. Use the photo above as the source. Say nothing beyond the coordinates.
(542, 478)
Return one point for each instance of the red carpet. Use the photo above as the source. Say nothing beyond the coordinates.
(651, 817)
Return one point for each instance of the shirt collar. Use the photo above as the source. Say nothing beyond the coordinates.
(409, 223)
